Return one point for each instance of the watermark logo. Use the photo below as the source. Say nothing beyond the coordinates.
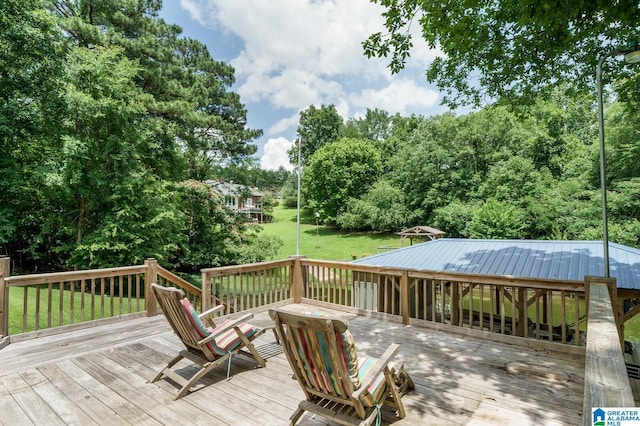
(615, 416)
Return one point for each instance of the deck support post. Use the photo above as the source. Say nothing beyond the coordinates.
(151, 276)
(297, 279)
(404, 297)
(523, 325)
(5, 265)
(205, 299)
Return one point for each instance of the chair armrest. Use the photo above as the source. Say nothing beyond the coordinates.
(210, 312)
(377, 368)
(226, 328)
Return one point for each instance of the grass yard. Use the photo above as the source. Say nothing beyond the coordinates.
(60, 311)
(324, 243)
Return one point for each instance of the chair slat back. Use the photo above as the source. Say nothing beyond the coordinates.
(170, 301)
(311, 345)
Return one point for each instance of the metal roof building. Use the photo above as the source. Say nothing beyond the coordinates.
(562, 260)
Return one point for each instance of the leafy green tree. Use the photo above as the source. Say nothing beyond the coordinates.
(382, 208)
(376, 125)
(497, 220)
(513, 48)
(623, 149)
(193, 117)
(447, 157)
(215, 235)
(338, 172)
(31, 63)
(454, 218)
(317, 127)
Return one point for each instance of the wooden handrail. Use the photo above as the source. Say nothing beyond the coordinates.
(234, 269)
(181, 282)
(32, 279)
(605, 380)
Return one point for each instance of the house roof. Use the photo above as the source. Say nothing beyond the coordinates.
(233, 189)
(562, 260)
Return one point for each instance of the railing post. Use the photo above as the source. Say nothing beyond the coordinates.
(151, 276)
(5, 265)
(523, 327)
(404, 297)
(297, 283)
(206, 293)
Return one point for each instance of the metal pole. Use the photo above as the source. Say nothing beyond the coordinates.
(317, 234)
(603, 175)
(299, 175)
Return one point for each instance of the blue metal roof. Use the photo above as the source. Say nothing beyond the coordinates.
(562, 260)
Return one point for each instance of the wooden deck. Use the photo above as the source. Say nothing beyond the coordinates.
(100, 376)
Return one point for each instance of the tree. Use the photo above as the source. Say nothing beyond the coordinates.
(376, 125)
(338, 172)
(317, 127)
(382, 208)
(31, 63)
(447, 157)
(623, 149)
(193, 116)
(516, 48)
(497, 220)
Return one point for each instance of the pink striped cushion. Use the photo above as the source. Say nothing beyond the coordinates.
(225, 342)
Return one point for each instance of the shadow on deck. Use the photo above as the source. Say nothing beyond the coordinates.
(100, 375)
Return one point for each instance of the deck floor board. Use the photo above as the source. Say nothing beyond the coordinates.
(101, 376)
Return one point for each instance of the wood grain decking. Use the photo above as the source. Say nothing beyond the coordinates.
(99, 376)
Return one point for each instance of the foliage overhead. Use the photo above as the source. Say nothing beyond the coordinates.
(512, 49)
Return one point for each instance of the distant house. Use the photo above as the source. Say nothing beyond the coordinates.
(239, 198)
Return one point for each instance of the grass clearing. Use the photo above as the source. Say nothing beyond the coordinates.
(323, 242)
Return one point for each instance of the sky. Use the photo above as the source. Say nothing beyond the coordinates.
(290, 54)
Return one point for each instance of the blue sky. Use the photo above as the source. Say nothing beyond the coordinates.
(290, 54)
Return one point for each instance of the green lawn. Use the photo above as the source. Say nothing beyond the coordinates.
(324, 243)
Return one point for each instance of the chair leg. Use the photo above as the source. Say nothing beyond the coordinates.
(394, 394)
(171, 363)
(296, 416)
(249, 345)
(205, 368)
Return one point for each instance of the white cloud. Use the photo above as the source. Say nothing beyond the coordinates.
(294, 53)
(275, 154)
(284, 124)
(400, 96)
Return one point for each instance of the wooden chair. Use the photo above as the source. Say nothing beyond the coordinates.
(207, 346)
(338, 384)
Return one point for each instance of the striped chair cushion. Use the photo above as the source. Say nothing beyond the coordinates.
(350, 356)
(225, 342)
(313, 350)
(376, 390)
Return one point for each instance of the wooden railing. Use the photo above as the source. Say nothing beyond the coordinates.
(545, 310)
(247, 287)
(39, 303)
(605, 381)
(550, 311)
